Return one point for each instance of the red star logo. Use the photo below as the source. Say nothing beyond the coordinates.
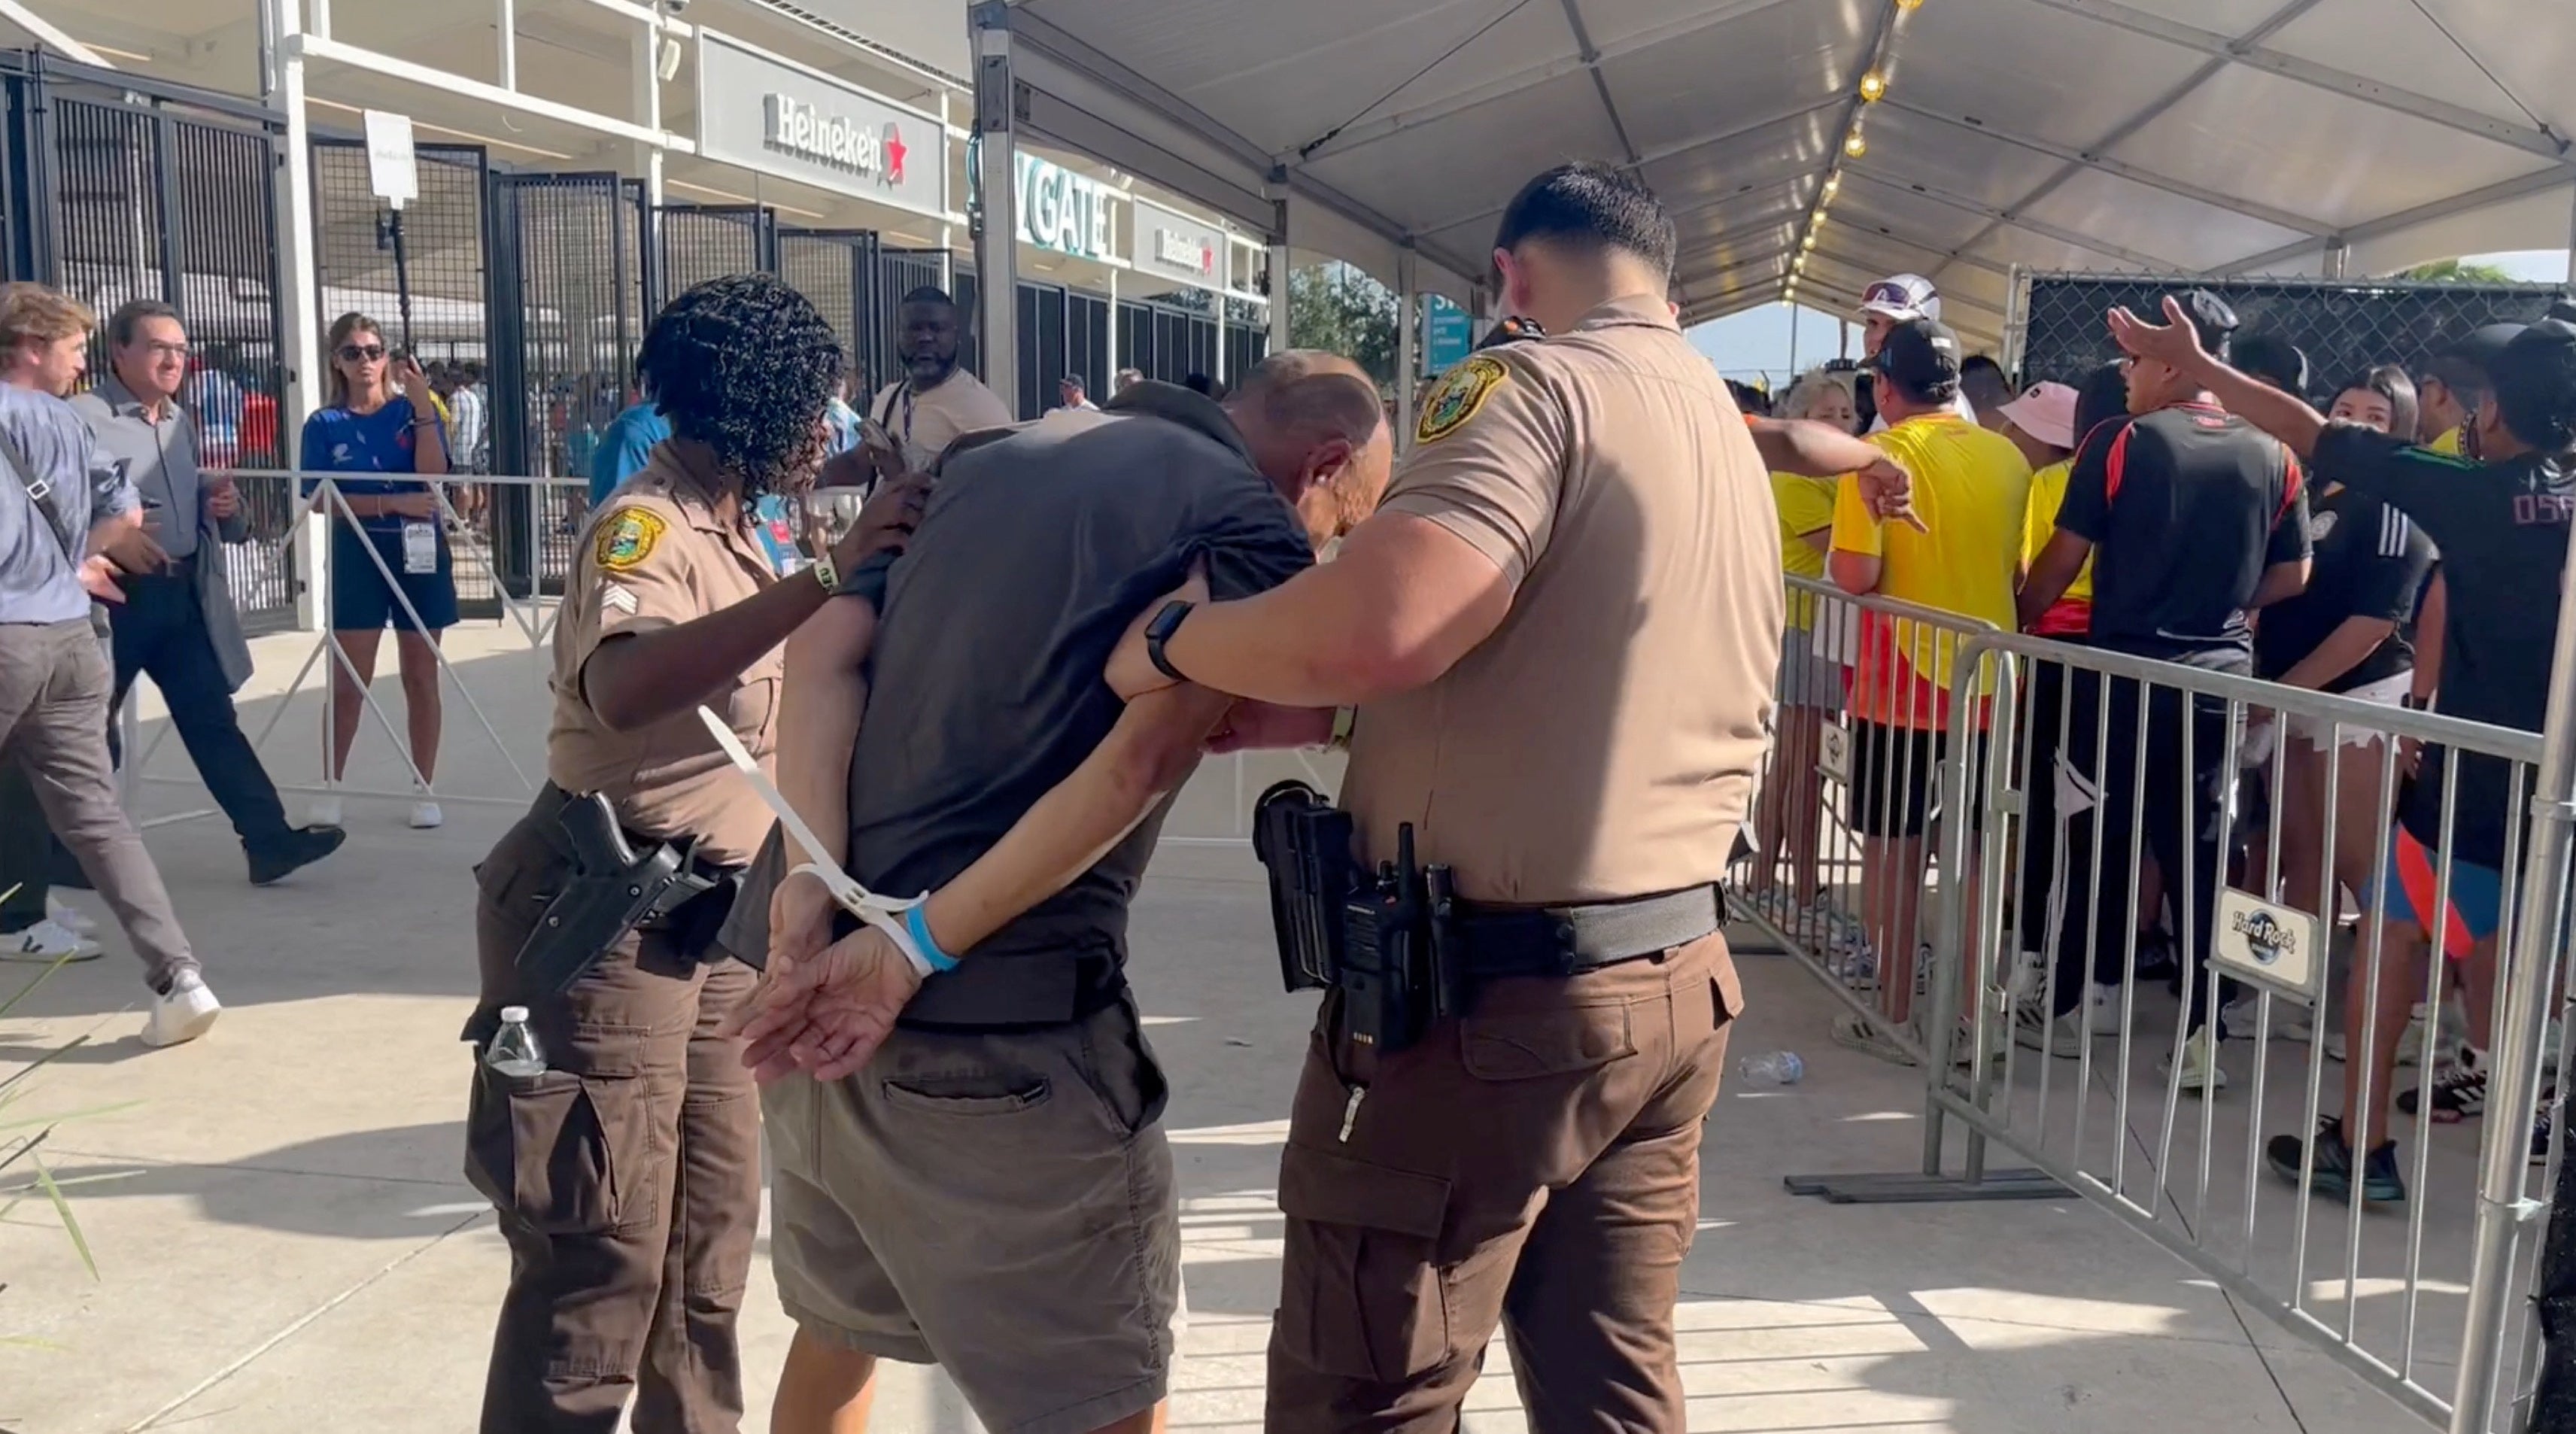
(894, 153)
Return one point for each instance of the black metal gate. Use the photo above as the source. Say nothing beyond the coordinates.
(567, 312)
(837, 269)
(122, 188)
(708, 241)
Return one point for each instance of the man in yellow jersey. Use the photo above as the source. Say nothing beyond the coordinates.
(1971, 488)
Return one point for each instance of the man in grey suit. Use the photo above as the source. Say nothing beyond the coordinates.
(177, 624)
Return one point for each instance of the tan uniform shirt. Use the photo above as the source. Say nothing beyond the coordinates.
(925, 421)
(1602, 743)
(655, 556)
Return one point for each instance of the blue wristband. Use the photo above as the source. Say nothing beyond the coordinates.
(918, 926)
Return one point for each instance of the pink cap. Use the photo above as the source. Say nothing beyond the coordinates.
(2045, 411)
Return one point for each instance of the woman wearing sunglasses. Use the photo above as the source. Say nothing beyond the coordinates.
(392, 565)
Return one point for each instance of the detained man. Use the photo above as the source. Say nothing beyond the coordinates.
(989, 1189)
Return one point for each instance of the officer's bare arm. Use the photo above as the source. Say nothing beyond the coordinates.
(1404, 600)
(1818, 450)
(636, 679)
(2051, 573)
(1144, 759)
(818, 717)
(2281, 582)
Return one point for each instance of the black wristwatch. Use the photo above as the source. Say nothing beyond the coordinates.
(1160, 631)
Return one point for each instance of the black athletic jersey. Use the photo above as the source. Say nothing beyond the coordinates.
(2371, 561)
(2185, 507)
(2502, 529)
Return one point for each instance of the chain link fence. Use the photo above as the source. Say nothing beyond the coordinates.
(2344, 326)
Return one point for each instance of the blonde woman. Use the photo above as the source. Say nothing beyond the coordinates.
(1789, 815)
(393, 567)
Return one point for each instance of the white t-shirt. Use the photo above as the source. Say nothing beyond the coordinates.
(926, 421)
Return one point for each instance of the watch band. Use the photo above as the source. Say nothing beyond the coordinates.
(1159, 631)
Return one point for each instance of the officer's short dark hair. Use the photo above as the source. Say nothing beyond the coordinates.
(930, 294)
(745, 365)
(1590, 205)
(2535, 386)
(131, 314)
(2211, 319)
(2275, 360)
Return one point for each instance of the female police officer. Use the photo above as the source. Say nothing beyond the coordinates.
(624, 1159)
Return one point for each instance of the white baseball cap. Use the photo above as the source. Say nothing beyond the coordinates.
(1902, 297)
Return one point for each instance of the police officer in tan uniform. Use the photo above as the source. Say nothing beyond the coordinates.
(623, 1151)
(1559, 631)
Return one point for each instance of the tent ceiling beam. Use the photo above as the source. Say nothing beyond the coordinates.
(2006, 219)
(2503, 192)
(2249, 50)
(2154, 110)
(1591, 58)
(1359, 136)
(1675, 150)
(2118, 169)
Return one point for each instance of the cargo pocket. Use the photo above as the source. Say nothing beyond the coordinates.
(548, 1150)
(971, 1093)
(1525, 1045)
(1361, 1296)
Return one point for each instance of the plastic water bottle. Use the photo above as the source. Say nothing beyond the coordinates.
(1776, 1068)
(514, 1050)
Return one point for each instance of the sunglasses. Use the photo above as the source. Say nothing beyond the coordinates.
(361, 353)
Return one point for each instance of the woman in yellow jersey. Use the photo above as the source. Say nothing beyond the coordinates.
(1789, 817)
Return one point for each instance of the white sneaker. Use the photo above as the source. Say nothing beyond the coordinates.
(322, 812)
(69, 917)
(2201, 1073)
(425, 816)
(2060, 1036)
(182, 1013)
(2102, 1009)
(48, 941)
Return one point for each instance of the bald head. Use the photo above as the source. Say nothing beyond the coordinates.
(1313, 421)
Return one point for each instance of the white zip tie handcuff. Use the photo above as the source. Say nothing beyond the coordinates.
(885, 913)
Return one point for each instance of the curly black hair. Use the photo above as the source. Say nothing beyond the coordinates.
(745, 365)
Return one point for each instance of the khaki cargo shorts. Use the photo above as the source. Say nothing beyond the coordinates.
(999, 1205)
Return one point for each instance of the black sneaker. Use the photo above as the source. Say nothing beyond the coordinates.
(2156, 958)
(273, 862)
(2380, 1182)
(2459, 1089)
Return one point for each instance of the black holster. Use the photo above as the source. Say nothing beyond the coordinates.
(1383, 940)
(614, 889)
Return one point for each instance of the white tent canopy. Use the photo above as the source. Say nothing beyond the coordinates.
(2221, 136)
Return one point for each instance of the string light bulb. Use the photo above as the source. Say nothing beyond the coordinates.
(1809, 242)
(1909, 4)
(1872, 86)
(1833, 184)
(1854, 145)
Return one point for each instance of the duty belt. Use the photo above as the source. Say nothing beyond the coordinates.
(1404, 950)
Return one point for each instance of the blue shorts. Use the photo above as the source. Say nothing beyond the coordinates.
(2414, 883)
(362, 600)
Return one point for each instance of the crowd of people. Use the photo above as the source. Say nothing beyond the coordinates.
(2176, 507)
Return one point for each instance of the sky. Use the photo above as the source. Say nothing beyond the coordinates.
(1756, 345)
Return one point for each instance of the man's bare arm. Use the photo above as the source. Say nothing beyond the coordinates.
(818, 717)
(2050, 575)
(1145, 758)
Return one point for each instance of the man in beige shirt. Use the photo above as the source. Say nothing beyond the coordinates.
(1560, 630)
(935, 400)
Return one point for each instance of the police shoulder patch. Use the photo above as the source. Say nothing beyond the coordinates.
(1462, 392)
(626, 538)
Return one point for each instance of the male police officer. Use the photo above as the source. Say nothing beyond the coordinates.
(1561, 628)
(626, 1167)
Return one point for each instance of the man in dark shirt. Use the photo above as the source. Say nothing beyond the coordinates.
(995, 1193)
(2502, 527)
(2193, 520)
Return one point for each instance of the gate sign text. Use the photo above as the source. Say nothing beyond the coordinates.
(1062, 210)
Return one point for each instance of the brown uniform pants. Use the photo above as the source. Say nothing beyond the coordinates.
(627, 1176)
(1533, 1164)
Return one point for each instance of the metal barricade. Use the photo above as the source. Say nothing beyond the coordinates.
(1838, 862)
(2185, 1097)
